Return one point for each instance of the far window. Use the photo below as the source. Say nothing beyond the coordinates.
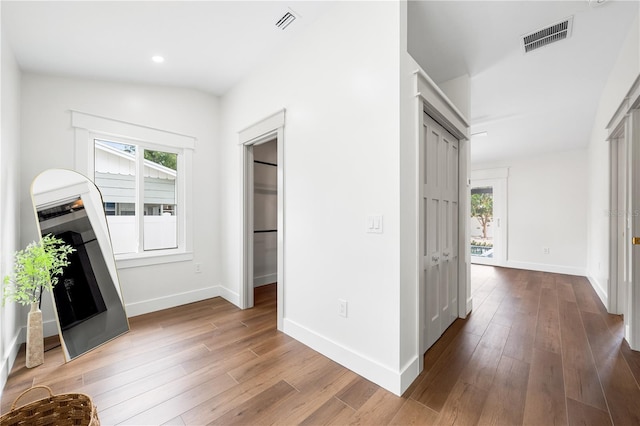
(139, 189)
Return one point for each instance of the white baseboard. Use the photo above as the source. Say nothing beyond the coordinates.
(600, 290)
(8, 359)
(394, 381)
(409, 373)
(543, 267)
(165, 302)
(265, 279)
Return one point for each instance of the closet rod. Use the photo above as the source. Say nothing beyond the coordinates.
(265, 163)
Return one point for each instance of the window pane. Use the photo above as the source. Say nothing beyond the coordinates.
(115, 175)
(482, 221)
(160, 211)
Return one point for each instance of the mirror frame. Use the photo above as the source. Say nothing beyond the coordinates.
(90, 194)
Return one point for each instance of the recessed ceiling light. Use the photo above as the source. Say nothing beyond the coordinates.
(157, 59)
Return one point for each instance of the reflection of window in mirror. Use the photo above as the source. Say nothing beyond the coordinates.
(139, 185)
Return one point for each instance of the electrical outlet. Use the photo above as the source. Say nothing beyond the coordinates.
(545, 250)
(342, 308)
(198, 268)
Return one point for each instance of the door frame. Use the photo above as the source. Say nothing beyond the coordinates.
(617, 285)
(498, 179)
(433, 102)
(266, 130)
(626, 123)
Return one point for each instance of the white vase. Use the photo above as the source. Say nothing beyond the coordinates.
(35, 339)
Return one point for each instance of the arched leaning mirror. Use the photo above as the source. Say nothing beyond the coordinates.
(87, 300)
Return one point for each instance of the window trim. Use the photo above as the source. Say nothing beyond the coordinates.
(89, 127)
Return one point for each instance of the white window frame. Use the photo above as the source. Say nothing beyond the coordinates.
(89, 127)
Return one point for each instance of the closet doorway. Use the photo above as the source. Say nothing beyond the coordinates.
(265, 213)
(440, 205)
(263, 209)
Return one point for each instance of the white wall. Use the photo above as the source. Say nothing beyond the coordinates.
(12, 317)
(48, 142)
(623, 73)
(458, 90)
(546, 207)
(339, 85)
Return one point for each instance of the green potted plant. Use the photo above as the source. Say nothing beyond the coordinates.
(36, 268)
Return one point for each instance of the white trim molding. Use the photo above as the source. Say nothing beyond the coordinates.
(630, 102)
(261, 128)
(123, 129)
(440, 108)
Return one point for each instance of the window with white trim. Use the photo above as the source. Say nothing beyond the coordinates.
(139, 189)
(145, 181)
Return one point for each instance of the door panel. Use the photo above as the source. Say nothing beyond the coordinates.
(440, 204)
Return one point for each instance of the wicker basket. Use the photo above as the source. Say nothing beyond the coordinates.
(56, 410)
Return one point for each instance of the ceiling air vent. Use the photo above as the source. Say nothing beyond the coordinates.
(286, 20)
(540, 38)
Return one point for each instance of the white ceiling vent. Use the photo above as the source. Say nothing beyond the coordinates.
(286, 20)
(542, 37)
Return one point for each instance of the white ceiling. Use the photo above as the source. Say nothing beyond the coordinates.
(540, 102)
(207, 45)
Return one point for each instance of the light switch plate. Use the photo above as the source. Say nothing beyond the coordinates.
(374, 224)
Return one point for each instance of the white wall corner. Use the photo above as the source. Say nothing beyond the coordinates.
(600, 289)
(228, 295)
(393, 381)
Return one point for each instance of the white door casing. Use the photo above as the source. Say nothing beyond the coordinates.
(432, 101)
(623, 292)
(620, 224)
(633, 289)
(270, 128)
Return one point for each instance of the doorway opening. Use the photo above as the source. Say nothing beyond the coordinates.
(487, 221)
(263, 211)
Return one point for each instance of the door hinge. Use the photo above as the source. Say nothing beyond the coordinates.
(635, 241)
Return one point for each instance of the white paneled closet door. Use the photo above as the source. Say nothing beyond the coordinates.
(440, 207)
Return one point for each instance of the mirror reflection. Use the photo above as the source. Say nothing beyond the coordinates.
(87, 300)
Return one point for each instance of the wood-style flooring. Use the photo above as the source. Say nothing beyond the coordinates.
(538, 349)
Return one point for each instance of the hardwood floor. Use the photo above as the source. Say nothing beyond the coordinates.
(538, 349)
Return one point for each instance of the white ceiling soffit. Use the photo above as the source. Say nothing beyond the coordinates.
(530, 104)
(545, 36)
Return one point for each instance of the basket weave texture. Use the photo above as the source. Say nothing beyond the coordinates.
(65, 409)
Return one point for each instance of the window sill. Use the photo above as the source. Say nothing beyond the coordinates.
(135, 260)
